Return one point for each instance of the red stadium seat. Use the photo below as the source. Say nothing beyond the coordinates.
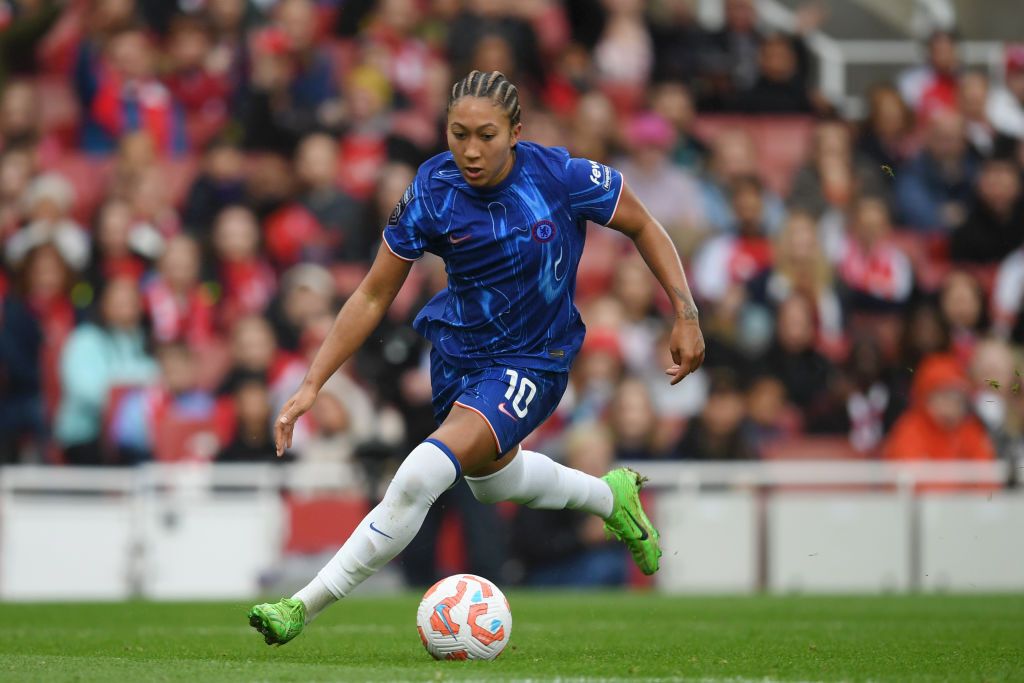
(783, 143)
(812, 448)
(928, 255)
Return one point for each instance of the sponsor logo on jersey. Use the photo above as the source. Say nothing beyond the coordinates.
(543, 230)
(595, 172)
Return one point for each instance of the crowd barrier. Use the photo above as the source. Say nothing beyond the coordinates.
(213, 531)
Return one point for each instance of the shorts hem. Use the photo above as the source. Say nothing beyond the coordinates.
(497, 441)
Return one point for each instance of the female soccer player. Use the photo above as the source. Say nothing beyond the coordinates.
(509, 220)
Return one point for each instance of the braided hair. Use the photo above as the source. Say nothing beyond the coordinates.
(494, 86)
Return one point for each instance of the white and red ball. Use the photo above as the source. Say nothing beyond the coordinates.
(464, 617)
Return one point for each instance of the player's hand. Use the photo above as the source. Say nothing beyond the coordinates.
(686, 344)
(300, 402)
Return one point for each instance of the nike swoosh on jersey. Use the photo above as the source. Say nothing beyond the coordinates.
(455, 240)
(503, 409)
(373, 528)
(643, 531)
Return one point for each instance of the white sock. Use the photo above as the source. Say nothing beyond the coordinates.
(535, 480)
(425, 475)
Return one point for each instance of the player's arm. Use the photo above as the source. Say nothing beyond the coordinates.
(360, 315)
(632, 219)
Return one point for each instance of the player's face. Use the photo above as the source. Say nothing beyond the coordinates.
(481, 140)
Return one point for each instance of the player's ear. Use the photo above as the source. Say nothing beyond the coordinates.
(514, 135)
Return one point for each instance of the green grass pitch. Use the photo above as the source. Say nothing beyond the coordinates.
(555, 636)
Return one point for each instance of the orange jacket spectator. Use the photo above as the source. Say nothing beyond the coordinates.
(938, 424)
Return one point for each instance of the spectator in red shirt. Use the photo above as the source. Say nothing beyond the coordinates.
(933, 86)
(129, 97)
(391, 38)
(341, 217)
(875, 272)
(739, 258)
(247, 280)
(368, 96)
(179, 306)
(170, 420)
(197, 77)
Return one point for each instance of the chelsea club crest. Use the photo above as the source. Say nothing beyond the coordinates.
(543, 231)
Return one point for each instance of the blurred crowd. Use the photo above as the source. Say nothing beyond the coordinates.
(190, 189)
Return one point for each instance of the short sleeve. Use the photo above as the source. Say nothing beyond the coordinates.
(594, 189)
(404, 232)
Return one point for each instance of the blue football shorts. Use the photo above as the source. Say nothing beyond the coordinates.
(513, 401)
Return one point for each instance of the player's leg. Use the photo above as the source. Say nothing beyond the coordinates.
(429, 470)
(535, 480)
(515, 402)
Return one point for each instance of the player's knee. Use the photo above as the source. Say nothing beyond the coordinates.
(420, 480)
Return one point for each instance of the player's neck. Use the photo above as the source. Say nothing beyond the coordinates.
(509, 165)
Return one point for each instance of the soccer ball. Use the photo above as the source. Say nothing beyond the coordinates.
(464, 617)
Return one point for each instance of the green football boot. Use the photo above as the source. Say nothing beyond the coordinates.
(628, 522)
(280, 621)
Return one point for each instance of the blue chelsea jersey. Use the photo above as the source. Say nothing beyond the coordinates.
(511, 252)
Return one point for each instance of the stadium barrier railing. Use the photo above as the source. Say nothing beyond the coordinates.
(182, 531)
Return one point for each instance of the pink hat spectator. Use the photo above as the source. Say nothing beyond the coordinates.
(650, 129)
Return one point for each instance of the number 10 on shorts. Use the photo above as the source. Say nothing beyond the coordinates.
(527, 390)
